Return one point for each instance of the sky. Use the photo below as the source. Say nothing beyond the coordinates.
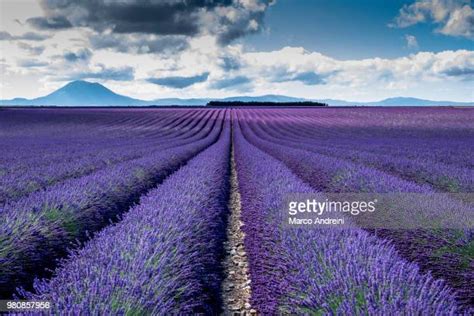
(364, 50)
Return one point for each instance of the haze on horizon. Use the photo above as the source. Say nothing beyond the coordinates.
(360, 51)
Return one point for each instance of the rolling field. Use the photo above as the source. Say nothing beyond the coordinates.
(159, 211)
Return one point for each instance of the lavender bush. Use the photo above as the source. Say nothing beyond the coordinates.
(444, 252)
(322, 271)
(39, 228)
(163, 257)
(124, 211)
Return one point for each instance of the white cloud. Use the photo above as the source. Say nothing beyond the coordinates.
(454, 17)
(290, 70)
(365, 71)
(412, 43)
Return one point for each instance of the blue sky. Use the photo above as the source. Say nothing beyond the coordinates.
(338, 49)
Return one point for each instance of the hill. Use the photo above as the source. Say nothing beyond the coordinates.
(83, 93)
(79, 93)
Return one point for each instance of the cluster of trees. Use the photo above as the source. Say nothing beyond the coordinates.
(259, 103)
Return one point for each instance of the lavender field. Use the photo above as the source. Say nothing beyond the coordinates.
(147, 211)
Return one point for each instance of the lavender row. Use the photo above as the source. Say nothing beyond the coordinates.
(39, 228)
(27, 201)
(112, 122)
(444, 252)
(167, 260)
(322, 271)
(21, 154)
(17, 184)
(445, 178)
(445, 134)
(76, 143)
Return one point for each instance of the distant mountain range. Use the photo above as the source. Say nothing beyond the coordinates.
(83, 93)
(398, 101)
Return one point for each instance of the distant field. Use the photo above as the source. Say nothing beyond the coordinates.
(117, 211)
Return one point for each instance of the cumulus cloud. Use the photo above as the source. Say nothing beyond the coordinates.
(297, 64)
(146, 16)
(458, 65)
(226, 19)
(237, 20)
(454, 17)
(293, 64)
(412, 43)
(179, 82)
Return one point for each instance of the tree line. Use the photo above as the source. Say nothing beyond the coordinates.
(260, 103)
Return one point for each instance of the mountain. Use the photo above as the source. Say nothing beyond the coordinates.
(399, 101)
(415, 102)
(83, 93)
(79, 93)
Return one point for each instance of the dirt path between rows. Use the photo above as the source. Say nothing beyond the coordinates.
(236, 287)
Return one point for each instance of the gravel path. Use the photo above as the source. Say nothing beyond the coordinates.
(236, 287)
